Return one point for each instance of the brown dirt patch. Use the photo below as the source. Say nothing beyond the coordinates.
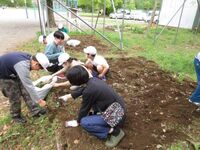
(87, 40)
(157, 107)
(157, 104)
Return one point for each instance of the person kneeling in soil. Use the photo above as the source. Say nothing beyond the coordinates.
(108, 107)
(195, 97)
(96, 63)
(67, 62)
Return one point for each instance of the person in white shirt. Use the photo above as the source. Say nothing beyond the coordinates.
(96, 63)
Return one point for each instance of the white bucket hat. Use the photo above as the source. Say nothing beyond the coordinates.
(41, 39)
(63, 58)
(60, 26)
(90, 50)
(43, 60)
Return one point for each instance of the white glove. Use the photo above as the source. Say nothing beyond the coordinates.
(65, 97)
(54, 80)
(71, 123)
(44, 79)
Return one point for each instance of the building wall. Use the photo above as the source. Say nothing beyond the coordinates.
(170, 7)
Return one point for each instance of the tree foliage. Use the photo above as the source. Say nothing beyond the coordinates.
(16, 3)
(129, 4)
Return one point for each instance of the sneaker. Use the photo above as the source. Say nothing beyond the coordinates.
(114, 140)
(39, 113)
(19, 119)
(195, 103)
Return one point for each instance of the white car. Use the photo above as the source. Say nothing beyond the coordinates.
(148, 17)
(119, 14)
(136, 15)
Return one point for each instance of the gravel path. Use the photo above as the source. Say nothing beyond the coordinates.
(15, 28)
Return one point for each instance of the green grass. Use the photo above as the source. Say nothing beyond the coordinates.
(176, 58)
(33, 134)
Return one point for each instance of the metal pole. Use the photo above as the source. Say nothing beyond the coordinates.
(26, 9)
(104, 15)
(116, 21)
(39, 13)
(122, 28)
(44, 22)
(199, 16)
(89, 26)
(179, 22)
(157, 24)
(47, 16)
(92, 11)
(97, 19)
(65, 19)
(168, 23)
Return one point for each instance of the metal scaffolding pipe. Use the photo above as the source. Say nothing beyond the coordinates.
(89, 25)
(65, 19)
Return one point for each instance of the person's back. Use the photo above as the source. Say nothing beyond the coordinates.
(8, 62)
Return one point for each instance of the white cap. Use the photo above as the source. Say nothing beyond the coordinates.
(63, 57)
(43, 60)
(60, 26)
(90, 50)
(40, 39)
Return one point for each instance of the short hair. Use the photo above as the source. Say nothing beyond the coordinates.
(77, 75)
(34, 58)
(59, 35)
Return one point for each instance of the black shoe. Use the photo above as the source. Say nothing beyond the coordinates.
(39, 113)
(19, 119)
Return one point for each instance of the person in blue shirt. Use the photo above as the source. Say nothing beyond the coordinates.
(53, 51)
(15, 82)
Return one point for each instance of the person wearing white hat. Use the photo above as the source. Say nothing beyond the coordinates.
(62, 28)
(43, 39)
(96, 63)
(67, 62)
(15, 82)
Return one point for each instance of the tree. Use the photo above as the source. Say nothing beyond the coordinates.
(50, 14)
(130, 4)
(152, 16)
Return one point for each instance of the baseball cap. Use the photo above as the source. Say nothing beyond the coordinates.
(63, 57)
(43, 60)
(90, 50)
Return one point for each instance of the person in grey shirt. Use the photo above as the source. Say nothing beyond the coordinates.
(15, 82)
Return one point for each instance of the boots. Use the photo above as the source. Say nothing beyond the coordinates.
(39, 113)
(19, 119)
(114, 140)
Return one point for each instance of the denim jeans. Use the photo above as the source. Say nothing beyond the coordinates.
(195, 97)
(96, 126)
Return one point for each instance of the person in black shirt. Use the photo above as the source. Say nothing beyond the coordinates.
(96, 96)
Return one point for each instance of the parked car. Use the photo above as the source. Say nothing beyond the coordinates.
(137, 15)
(119, 14)
(148, 17)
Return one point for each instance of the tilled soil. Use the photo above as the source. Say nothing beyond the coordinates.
(157, 104)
